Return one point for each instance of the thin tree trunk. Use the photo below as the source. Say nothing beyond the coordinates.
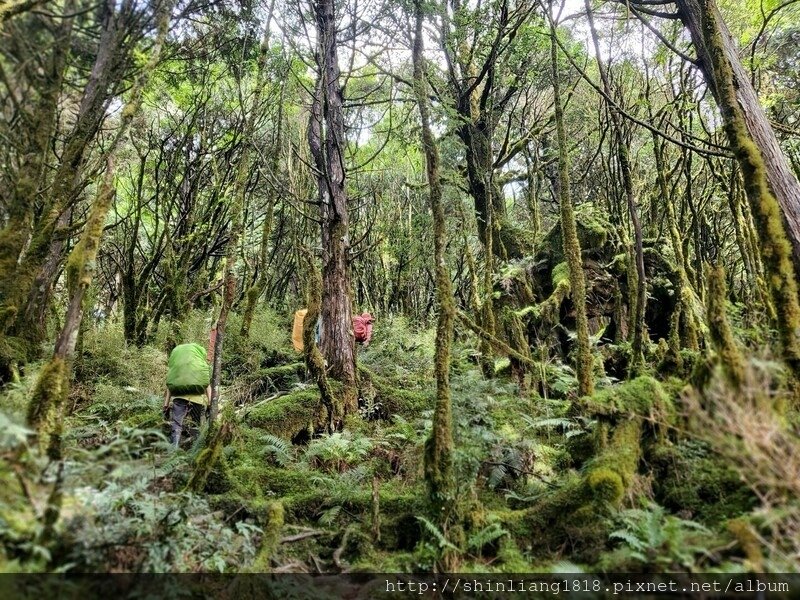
(237, 222)
(572, 248)
(638, 325)
(439, 447)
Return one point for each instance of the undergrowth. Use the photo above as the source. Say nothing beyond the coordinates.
(696, 497)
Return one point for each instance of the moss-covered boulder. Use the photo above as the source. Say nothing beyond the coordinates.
(383, 400)
(567, 519)
(287, 416)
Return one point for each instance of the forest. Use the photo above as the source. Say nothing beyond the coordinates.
(545, 255)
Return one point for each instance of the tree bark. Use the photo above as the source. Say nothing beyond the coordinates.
(572, 248)
(439, 447)
(338, 342)
(701, 18)
(771, 189)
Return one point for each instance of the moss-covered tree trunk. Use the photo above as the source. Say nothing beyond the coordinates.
(32, 279)
(731, 85)
(728, 355)
(439, 447)
(52, 386)
(572, 248)
(315, 363)
(684, 307)
(327, 144)
(771, 188)
(30, 179)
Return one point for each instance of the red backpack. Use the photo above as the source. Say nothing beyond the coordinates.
(362, 328)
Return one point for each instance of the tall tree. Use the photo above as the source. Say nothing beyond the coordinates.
(439, 446)
(327, 144)
(772, 190)
(572, 247)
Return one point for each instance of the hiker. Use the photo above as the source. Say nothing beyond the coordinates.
(362, 328)
(188, 387)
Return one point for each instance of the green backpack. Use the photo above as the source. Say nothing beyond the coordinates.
(189, 372)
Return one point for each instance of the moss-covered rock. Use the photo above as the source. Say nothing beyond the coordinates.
(287, 416)
(275, 379)
(568, 519)
(612, 472)
(387, 400)
(592, 229)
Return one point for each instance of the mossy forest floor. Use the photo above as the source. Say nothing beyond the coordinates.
(617, 482)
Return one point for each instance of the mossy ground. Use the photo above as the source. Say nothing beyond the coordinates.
(541, 480)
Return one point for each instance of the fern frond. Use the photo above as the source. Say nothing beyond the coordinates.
(437, 534)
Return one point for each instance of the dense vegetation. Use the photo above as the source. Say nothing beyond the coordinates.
(578, 228)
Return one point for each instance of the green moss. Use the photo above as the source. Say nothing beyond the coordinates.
(689, 477)
(606, 485)
(216, 438)
(592, 230)
(560, 275)
(568, 517)
(619, 457)
(643, 396)
(748, 541)
(728, 355)
(47, 399)
(287, 415)
(394, 400)
(271, 538)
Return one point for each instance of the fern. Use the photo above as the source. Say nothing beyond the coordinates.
(487, 535)
(444, 543)
(329, 516)
(279, 448)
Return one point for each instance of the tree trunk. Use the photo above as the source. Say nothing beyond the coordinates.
(719, 59)
(771, 189)
(572, 248)
(439, 447)
(338, 342)
(31, 176)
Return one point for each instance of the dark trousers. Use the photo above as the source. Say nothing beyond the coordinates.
(180, 410)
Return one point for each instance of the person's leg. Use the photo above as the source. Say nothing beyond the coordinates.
(196, 412)
(179, 409)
